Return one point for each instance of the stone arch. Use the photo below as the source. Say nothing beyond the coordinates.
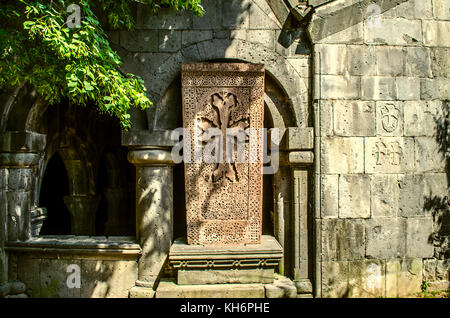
(278, 69)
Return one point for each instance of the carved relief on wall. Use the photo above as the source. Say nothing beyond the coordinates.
(390, 117)
(223, 195)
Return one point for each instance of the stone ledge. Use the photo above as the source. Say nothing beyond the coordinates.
(168, 289)
(70, 244)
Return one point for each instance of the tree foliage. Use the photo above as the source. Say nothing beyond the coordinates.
(38, 47)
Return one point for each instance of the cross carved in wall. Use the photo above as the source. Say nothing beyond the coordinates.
(227, 115)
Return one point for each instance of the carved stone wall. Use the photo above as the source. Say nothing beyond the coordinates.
(224, 197)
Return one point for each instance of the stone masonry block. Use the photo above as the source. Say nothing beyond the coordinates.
(335, 279)
(367, 279)
(342, 155)
(299, 138)
(435, 33)
(403, 277)
(333, 59)
(326, 118)
(385, 238)
(389, 118)
(262, 17)
(411, 194)
(353, 34)
(343, 239)
(390, 61)
(408, 88)
(169, 40)
(329, 185)
(340, 87)
(417, 62)
(421, 117)
(441, 9)
(165, 19)
(436, 88)
(354, 196)
(384, 195)
(389, 155)
(378, 88)
(354, 118)
(415, 9)
(264, 37)
(430, 156)
(394, 32)
(139, 40)
(440, 61)
(212, 17)
(418, 237)
(362, 60)
(189, 37)
(235, 14)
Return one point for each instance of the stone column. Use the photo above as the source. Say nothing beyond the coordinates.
(83, 210)
(19, 156)
(154, 211)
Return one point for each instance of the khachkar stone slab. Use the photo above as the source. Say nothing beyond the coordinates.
(224, 196)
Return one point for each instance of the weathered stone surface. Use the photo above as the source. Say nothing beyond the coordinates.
(435, 33)
(429, 155)
(235, 14)
(389, 118)
(354, 118)
(17, 296)
(28, 269)
(335, 279)
(366, 279)
(303, 286)
(139, 40)
(211, 18)
(384, 195)
(227, 276)
(141, 292)
(409, 277)
(169, 41)
(436, 88)
(362, 60)
(378, 88)
(441, 9)
(390, 61)
(301, 157)
(342, 239)
(418, 237)
(164, 19)
(326, 118)
(261, 16)
(385, 238)
(329, 186)
(333, 59)
(342, 155)
(105, 279)
(339, 87)
(417, 62)
(299, 138)
(411, 193)
(440, 61)
(53, 278)
(408, 88)
(421, 118)
(168, 289)
(4, 290)
(354, 196)
(189, 37)
(389, 155)
(394, 32)
(353, 34)
(16, 288)
(282, 287)
(415, 9)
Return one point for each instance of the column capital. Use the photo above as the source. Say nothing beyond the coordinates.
(18, 159)
(150, 157)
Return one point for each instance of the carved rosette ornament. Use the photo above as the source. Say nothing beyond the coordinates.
(223, 195)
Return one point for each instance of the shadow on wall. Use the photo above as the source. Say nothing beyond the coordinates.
(438, 205)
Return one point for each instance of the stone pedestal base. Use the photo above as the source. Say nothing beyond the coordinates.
(141, 292)
(247, 264)
(168, 289)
